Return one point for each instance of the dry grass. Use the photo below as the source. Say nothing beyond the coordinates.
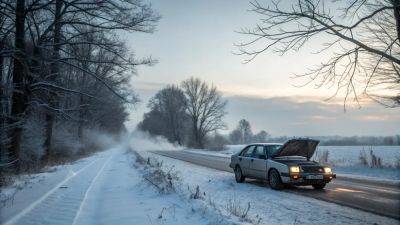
(165, 181)
(372, 160)
(322, 157)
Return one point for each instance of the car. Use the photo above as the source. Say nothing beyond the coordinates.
(282, 164)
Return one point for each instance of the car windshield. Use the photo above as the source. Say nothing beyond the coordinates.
(272, 149)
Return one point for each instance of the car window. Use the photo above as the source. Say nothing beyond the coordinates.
(272, 149)
(259, 150)
(248, 152)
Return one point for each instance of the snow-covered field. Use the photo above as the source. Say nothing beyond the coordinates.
(345, 159)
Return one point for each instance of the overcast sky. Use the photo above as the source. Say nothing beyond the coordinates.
(196, 38)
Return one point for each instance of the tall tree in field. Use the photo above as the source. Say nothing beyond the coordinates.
(205, 107)
(171, 102)
(362, 38)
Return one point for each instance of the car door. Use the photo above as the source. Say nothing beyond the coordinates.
(245, 158)
(258, 163)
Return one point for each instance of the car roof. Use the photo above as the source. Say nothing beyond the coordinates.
(265, 144)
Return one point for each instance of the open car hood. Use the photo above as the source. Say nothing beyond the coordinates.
(298, 147)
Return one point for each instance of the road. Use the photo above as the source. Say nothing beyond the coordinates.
(375, 197)
(95, 190)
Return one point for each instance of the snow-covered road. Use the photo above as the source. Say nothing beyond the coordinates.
(102, 189)
(54, 198)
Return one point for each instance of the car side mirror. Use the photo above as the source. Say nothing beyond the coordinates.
(262, 157)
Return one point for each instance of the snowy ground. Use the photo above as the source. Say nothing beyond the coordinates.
(102, 189)
(266, 205)
(109, 188)
(345, 159)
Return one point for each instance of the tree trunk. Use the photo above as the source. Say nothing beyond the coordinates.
(49, 120)
(396, 4)
(3, 114)
(19, 100)
(81, 119)
(196, 134)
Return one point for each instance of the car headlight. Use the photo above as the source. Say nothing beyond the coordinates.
(295, 169)
(328, 170)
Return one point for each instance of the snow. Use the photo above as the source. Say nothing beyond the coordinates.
(272, 207)
(103, 189)
(109, 188)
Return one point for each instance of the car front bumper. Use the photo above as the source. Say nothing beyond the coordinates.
(304, 178)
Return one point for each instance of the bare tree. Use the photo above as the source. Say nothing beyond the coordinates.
(167, 116)
(19, 97)
(362, 36)
(245, 129)
(261, 136)
(216, 142)
(235, 136)
(242, 134)
(205, 107)
(67, 62)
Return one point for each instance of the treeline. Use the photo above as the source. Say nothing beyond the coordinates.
(361, 140)
(192, 114)
(189, 114)
(64, 69)
(170, 117)
(347, 141)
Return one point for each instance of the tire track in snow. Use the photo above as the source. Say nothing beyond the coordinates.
(59, 204)
(88, 190)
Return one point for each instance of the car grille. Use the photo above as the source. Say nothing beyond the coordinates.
(312, 169)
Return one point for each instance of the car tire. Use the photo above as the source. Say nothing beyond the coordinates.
(319, 186)
(239, 175)
(275, 181)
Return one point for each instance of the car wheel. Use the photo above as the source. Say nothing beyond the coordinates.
(319, 186)
(239, 175)
(275, 181)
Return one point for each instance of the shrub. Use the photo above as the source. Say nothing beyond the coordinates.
(164, 181)
(376, 161)
(234, 207)
(216, 142)
(363, 158)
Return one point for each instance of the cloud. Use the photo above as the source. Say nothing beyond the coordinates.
(295, 116)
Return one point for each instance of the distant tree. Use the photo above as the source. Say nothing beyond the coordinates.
(235, 137)
(205, 107)
(388, 141)
(167, 116)
(216, 142)
(261, 136)
(363, 36)
(245, 129)
(153, 123)
(242, 134)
